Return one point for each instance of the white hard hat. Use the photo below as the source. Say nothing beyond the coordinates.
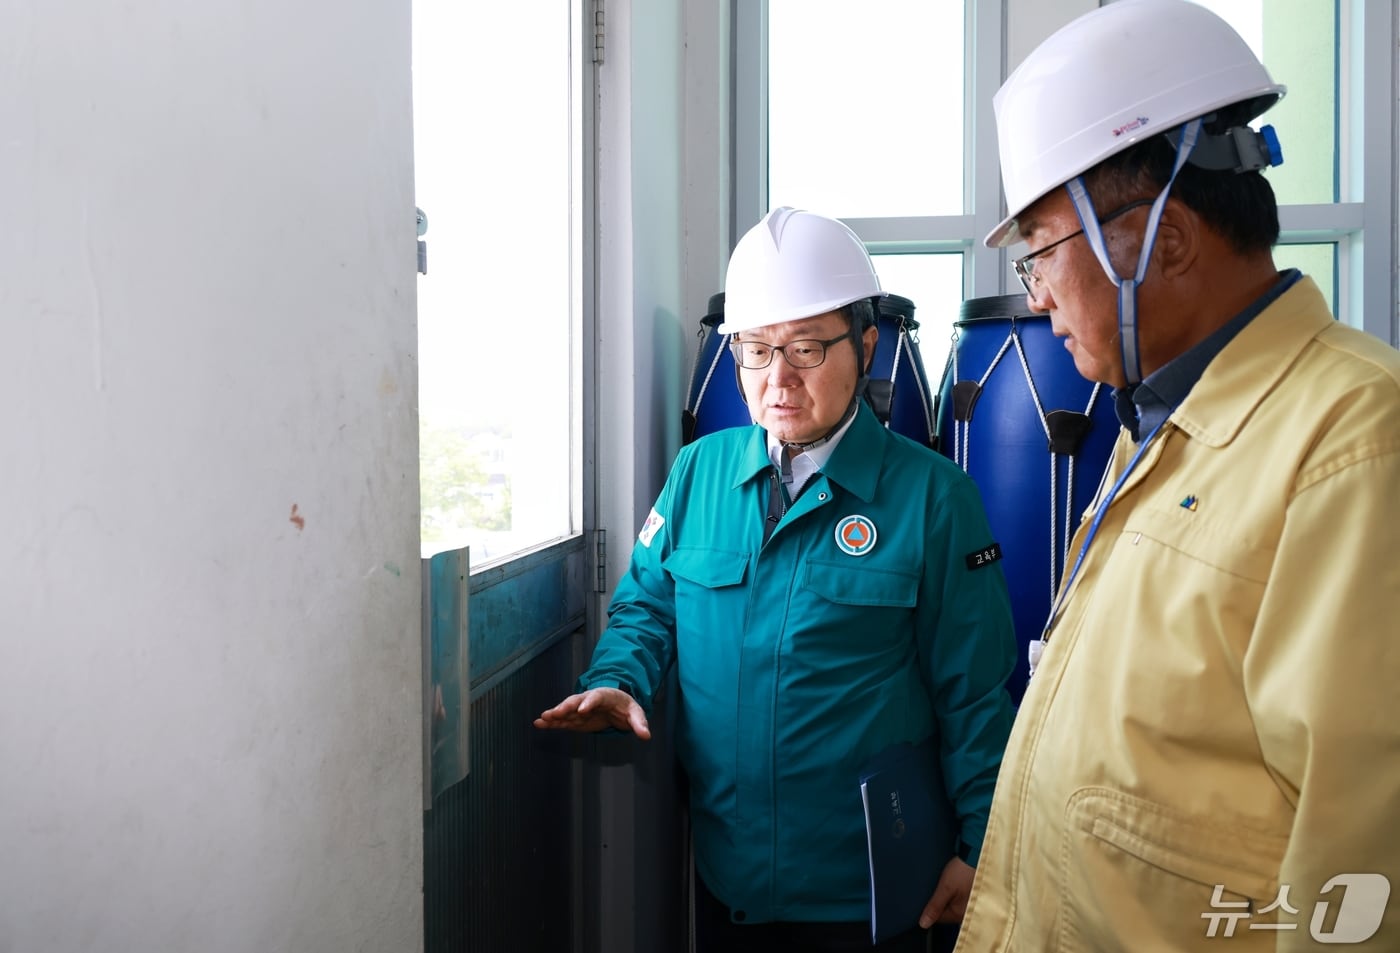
(1110, 79)
(794, 264)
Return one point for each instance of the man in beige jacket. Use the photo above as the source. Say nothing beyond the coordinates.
(1208, 753)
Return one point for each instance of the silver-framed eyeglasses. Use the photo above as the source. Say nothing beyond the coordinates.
(1025, 265)
(804, 353)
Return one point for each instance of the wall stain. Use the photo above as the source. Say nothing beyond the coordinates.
(300, 521)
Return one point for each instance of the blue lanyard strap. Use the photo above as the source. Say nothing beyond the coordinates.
(1094, 527)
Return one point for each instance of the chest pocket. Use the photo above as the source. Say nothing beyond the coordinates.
(708, 585)
(707, 568)
(1162, 626)
(848, 585)
(838, 602)
(1206, 540)
(1168, 558)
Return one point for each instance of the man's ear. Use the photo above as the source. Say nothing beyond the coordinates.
(869, 337)
(1179, 239)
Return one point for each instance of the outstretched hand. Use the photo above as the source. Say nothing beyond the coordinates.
(949, 900)
(596, 709)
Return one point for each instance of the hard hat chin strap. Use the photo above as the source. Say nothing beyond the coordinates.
(858, 345)
(1127, 287)
(790, 450)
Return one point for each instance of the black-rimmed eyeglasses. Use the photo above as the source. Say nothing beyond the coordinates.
(807, 352)
(1025, 265)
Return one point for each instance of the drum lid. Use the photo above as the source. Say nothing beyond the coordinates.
(894, 306)
(995, 307)
(715, 314)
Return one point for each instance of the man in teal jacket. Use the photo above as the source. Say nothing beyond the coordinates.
(825, 588)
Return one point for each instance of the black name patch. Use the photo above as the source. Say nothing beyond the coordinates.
(983, 557)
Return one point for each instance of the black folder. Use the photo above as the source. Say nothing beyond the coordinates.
(911, 833)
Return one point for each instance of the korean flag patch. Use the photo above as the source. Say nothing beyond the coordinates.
(650, 528)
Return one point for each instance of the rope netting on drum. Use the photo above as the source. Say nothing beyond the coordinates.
(694, 406)
(1064, 434)
(920, 382)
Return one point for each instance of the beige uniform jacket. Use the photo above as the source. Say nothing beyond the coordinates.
(1213, 734)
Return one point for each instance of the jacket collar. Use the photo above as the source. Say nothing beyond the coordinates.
(1250, 366)
(850, 466)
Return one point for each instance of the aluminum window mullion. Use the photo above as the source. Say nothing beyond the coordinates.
(1320, 221)
(1372, 270)
(948, 230)
(750, 110)
(986, 268)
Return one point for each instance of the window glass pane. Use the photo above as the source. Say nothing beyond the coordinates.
(1297, 40)
(865, 107)
(935, 284)
(495, 316)
(1318, 262)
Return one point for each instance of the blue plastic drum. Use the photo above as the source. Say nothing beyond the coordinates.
(898, 390)
(713, 402)
(1034, 436)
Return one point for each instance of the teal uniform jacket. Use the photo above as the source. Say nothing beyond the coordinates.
(799, 659)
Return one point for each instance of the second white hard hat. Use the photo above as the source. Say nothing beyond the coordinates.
(794, 264)
(1112, 78)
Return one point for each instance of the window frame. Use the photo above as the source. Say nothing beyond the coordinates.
(1363, 231)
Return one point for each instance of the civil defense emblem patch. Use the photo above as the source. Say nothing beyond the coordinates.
(855, 535)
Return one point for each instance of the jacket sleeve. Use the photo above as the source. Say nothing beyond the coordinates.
(1321, 675)
(638, 644)
(969, 649)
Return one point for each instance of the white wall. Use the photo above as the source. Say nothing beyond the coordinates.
(708, 188)
(210, 728)
(659, 218)
(641, 233)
